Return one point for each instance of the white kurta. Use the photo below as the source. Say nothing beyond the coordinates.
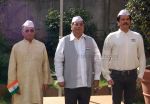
(29, 65)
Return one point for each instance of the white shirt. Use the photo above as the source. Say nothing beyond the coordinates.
(81, 65)
(123, 51)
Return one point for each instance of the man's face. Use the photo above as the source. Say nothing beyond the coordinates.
(77, 28)
(28, 33)
(124, 22)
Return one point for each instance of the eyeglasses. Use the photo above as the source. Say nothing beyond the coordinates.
(29, 30)
(78, 24)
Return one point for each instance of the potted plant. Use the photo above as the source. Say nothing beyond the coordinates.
(146, 85)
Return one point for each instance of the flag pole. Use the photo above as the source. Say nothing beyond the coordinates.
(61, 20)
(61, 35)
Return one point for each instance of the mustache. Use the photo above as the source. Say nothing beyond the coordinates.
(125, 23)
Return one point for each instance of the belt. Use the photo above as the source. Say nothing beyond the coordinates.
(123, 72)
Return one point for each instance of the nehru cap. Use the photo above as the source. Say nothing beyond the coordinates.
(28, 23)
(123, 12)
(77, 19)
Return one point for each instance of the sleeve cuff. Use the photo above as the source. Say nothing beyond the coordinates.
(107, 77)
(60, 79)
(97, 77)
(140, 76)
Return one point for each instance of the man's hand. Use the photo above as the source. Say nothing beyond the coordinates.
(96, 86)
(18, 92)
(45, 87)
(139, 80)
(61, 84)
(111, 82)
(96, 83)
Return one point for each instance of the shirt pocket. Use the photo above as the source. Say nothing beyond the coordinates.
(89, 53)
(133, 44)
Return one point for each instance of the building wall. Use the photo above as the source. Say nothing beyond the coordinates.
(13, 14)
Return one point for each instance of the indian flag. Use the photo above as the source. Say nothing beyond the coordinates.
(13, 87)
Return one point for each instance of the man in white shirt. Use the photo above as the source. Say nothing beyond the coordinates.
(77, 64)
(123, 53)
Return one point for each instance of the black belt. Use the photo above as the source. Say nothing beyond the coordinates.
(123, 72)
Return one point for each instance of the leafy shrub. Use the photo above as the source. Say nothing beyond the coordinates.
(140, 13)
(4, 58)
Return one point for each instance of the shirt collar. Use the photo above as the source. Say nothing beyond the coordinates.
(72, 37)
(26, 41)
(120, 31)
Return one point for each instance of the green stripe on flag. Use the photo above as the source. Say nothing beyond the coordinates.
(15, 90)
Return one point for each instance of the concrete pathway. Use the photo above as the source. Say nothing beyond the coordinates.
(94, 100)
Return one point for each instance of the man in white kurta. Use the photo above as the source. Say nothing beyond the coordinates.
(29, 65)
(77, 64)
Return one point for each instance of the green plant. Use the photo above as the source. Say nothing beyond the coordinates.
(2, 1)
(148, 60)
(54, 84)
(103, 83)
(52, 26)
(4, 101)
(4, 58)
(5, 96)
(140, 13)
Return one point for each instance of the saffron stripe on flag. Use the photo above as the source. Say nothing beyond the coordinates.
(12, 84)
(13, 87)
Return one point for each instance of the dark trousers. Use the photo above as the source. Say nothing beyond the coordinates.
(124, 86)
(80, 95)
